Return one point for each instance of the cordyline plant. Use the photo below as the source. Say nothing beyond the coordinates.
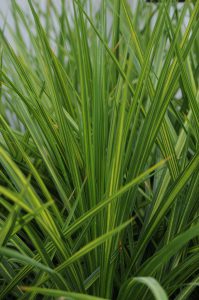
(99, 156)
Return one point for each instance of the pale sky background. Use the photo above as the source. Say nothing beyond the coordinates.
(5, 4)
(4, 8)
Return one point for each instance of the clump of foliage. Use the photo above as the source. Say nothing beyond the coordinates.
(99, 153)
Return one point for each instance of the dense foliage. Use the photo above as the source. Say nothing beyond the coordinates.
(99, 156)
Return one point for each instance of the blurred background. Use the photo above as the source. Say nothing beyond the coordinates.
(6, 15)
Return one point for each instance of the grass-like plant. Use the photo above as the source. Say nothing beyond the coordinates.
(99, 156)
